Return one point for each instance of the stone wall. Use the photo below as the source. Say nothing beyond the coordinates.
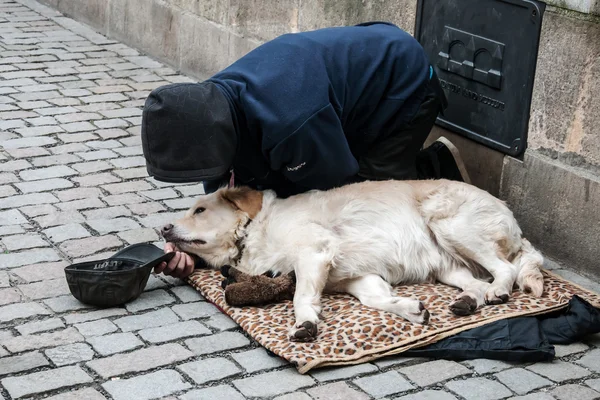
(554, 189)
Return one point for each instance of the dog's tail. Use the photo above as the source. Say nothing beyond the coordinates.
(529, 263)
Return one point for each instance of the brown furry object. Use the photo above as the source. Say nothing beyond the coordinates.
(247, 290)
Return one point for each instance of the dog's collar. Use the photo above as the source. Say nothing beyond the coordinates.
(240, 243)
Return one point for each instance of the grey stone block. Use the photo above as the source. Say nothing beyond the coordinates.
(479, 388)
(334, 373)
(212, 369)
(187, 294)
(338, 390)
(45, 289)
(151, 299)
(21, 310)
(248, 18)
(65, 303)
(27, 257)
(150, 319)
(591, 360)
(87, 394)
(433, 372)
(273, 383)
(574, 391)
(70, 354)
(294, 396)
(9, 295)
(173, 332)
(96, 328)
(44, 381)
(428, 395)
(40, 326)
(150, 386)
(195, 310)
(218, 342)
(559, 371)
(257, 360)
(115, 343)
(521, 381)
(139, 360)
(34, 342)
(77, 318)
(22, 362)
(221, 392)
(485, 366)
(384, 384)
(534, 396)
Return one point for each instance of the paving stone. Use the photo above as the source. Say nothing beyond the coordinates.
(384, 384)
(27, 200)
(212, 369)
(294, 396)
(26, 241)
(195, 310)
(221, 392)
(146, 209)
(96, 328)
(107, 213)
(149, 386)
(78, 193)
(486, 366)
(151, 299)
(591, 360)
(65, 232)
(175, 331)
(76, 318)
(12, 217)
(218, 342)
(573, 391)
(141, 235)
(65, 303)
(428, 395)
(60, 159)
(150, 319)
(40, 326)
(40, 271)
(22, 143)
(115, 343)
(331, 391)
(70, 354)
(34, 342)
(187, 294)
(273, 383)
(521, 381)
(37, 210)
(559, 371)
(45, 381)
(44, 185)
(134, 186)
(23, 362)
(434, 371)
(221, 322)
(4, 279)
(45, 289)
(21, 310)
(335, 373)
(39, 130)
(104, 226)
(57, 171)
(257, 360)
(479, 388)
(87, 394)
(139, 360)
(90, 245)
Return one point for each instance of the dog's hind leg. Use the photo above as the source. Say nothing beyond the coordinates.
(311, 276)
(473, 290)
(373, 291)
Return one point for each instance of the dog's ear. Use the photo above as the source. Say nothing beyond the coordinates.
(244, 199)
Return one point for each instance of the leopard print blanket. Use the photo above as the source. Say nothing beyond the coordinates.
(350, 333)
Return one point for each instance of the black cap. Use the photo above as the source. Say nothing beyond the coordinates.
(116, 280)
(188, 134)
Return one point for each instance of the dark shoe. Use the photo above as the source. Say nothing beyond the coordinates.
(442, 160)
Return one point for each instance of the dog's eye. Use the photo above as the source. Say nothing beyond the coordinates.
(199, 210)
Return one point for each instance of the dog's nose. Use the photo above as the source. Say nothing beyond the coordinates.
(167, 228)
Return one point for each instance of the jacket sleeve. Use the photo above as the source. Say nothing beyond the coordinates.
(317, 154)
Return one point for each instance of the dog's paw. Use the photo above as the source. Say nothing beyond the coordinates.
(412, 310)
(304, 332)
(464, 305)
(496, 295)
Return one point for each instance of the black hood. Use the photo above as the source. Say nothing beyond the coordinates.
(188, 134)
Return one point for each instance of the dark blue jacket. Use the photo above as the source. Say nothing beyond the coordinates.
(308, 105)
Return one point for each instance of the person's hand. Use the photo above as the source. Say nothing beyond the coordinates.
(180, 266)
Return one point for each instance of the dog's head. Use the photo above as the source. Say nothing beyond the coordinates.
(211, 227)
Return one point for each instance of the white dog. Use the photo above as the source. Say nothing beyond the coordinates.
(362, 238)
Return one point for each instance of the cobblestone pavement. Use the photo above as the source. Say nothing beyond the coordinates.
(73, 186)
